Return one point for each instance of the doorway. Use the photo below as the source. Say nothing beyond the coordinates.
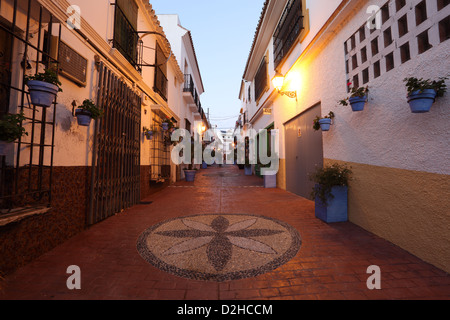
(304, 151)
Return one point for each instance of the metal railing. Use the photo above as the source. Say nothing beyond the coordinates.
(26, 178)
(126, 39)
(287, 31)
(160, 85)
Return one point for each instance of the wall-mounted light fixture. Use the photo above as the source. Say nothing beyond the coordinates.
(278, 83)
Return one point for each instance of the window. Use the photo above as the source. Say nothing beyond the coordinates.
(354, 62)
(374, 45)
(261, 79)
(405, 54)
(444, 29)
(288, 30)
(403, 26)
(362, 33)
(125, 37)
(423, 42)
(390, 61)
(441, 4)
(399, 4)
(385, 13)
(421, 12)
(376, 69)
(387, 35)
(363, 55)
(160, 85)
(365, 75)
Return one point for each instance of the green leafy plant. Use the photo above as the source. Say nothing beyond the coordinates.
(316, 124)
(48, 76)
(354, 93)
(10, 127)
(90, 106)
(415, 84)
(170, 123)
(327, 178)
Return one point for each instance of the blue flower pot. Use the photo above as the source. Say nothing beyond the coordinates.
(165, 126)
(357, 103)
(336, 208)
(421, 102)
(325, 124)
(204, 165)
(270, 181)
(42, 93)
(248, 170)
(189, 175)
(149, 135)
(83, 117)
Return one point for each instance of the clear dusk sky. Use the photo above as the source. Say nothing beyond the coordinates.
(223, 33)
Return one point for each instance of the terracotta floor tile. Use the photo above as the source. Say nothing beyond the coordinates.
(331, 264)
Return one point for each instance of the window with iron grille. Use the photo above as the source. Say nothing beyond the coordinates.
(288, 30)
(26, 168)
(160, 85)
(125, 36)
(261, 79)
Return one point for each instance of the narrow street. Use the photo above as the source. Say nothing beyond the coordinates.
(331, 262)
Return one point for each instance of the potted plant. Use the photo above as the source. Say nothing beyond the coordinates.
(86, 112)
(270, 177)
(357, 99)
(11, 130)
(43, 88)
(422, 93)
(148, 133)
(323, 123)
(190, 171)
(167, 124)
(330, 192)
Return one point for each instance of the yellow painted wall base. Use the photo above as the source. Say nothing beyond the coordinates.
(281, 176)
(408, 208)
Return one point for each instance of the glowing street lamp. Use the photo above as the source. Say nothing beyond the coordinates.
(278, 83)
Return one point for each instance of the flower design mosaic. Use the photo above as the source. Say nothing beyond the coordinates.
(219, 247)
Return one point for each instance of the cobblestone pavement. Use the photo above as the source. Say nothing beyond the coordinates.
(331, 263)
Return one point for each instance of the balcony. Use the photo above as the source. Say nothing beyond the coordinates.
(126, 39)
(160, 83)
(190, 94)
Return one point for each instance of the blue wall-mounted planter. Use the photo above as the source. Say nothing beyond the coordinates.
(325, 124)
(357, 103)
(421, 102)
(336, 210)
(42, 93)
(83, 117)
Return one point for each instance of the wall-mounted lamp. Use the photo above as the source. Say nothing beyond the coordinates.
(278, 83)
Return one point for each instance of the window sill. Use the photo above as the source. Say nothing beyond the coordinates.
(21, 213)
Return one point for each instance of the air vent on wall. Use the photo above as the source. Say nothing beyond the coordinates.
(72, 65)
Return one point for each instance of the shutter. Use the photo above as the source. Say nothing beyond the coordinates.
(130, 10)
(72, 65)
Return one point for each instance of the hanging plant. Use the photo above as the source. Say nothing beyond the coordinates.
(422, 93)
(43, 87)
(323, 123)
(86, 112)
(11, 129)
(148, 133)
(357, 98)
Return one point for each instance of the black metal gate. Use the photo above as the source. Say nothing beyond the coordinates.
(115, 183)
